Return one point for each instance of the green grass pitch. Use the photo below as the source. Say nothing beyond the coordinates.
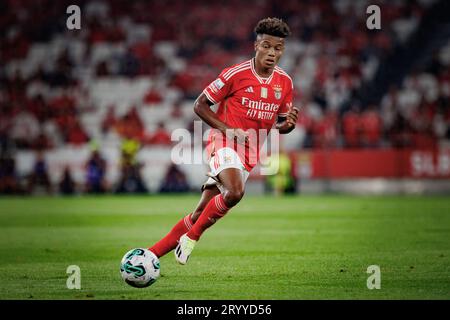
(296, 247)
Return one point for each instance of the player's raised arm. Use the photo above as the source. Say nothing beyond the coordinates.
(202, 107)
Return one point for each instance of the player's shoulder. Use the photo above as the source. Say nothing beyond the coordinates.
(235, 69)
(283, 74)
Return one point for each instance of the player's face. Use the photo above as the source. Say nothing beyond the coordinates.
(269, 50)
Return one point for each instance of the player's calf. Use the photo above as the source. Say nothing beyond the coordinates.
(207, 195)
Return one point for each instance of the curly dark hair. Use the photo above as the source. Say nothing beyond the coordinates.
(273, 27)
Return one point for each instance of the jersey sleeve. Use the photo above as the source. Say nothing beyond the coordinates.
(219, 89)
(286, 105)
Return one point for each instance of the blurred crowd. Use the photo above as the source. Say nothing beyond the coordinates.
(50, 75)
(95, 181)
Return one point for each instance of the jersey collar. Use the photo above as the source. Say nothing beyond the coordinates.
(258, 77)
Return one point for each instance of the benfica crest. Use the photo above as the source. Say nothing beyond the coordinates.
(277, 89)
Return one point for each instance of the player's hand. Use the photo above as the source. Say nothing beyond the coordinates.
(292, 117)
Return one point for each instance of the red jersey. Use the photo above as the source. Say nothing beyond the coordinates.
(249, 102)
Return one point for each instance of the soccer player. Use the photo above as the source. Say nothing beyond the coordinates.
(253, 95)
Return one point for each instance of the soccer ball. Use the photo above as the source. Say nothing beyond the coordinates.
(139, 268)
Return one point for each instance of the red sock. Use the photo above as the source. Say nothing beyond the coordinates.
(214, 210)
(170, 241)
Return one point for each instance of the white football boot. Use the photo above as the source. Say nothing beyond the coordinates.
(184, 249)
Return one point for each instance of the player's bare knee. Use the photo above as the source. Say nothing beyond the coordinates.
(232, 197)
